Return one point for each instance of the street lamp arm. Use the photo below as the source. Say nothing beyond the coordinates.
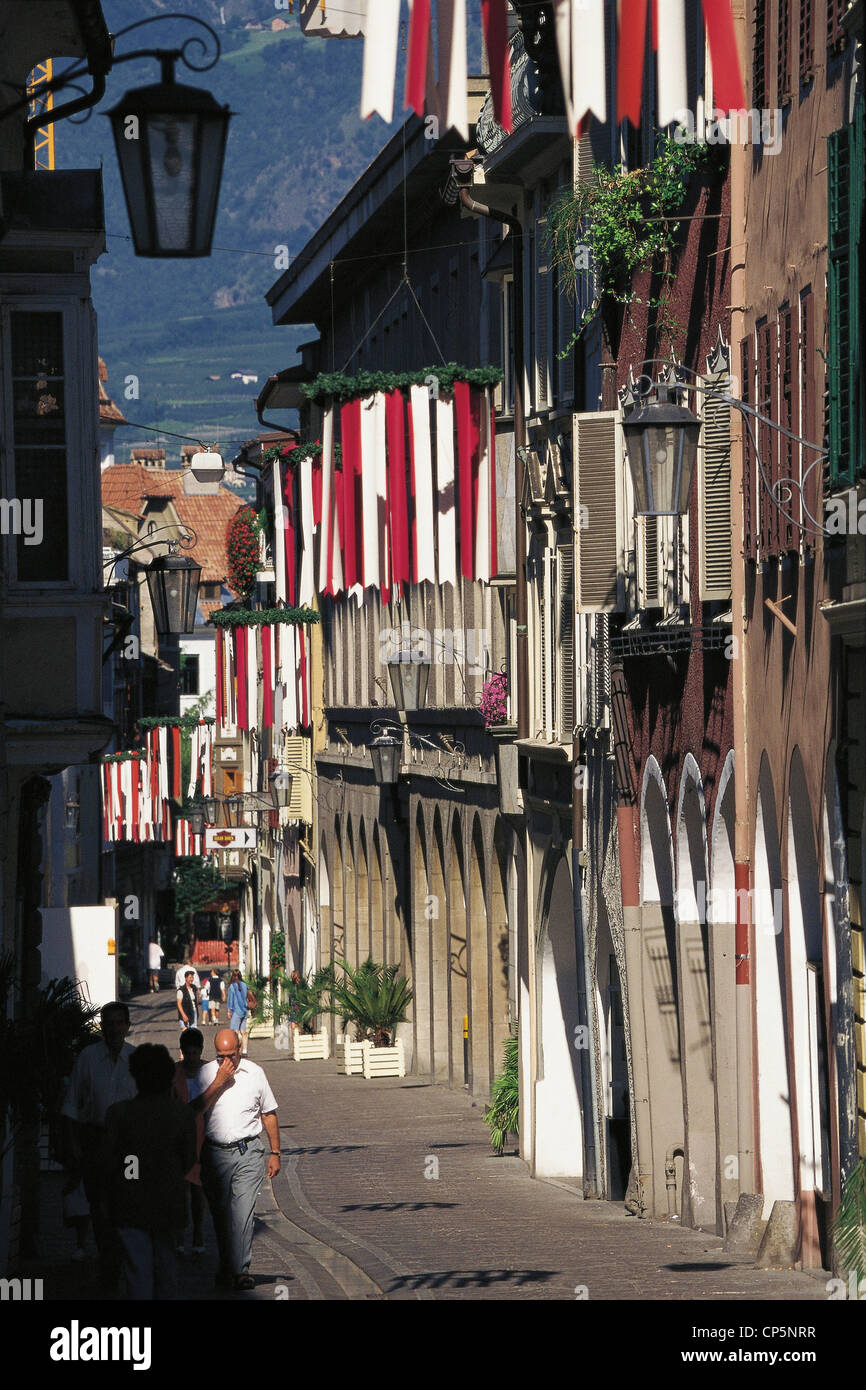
(188, 541)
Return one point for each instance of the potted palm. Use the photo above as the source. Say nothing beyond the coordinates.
(300, 1007)
(374, 999)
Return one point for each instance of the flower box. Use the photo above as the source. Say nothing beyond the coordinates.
(263, 1028)
(350, 1057)
(307, 1047)
(383, 1061)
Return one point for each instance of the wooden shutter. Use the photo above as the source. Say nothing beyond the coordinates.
(650, 570)
(811, 390)
(807, 39)
(760, 55)
(565, 642)
(783, 54)
(543, 315)
(714, 495)
(297, 757)
(750, 524)
(598, 483)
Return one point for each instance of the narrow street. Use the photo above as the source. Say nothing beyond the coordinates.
(353, 1215)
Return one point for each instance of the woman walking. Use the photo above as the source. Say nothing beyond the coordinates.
(238, 1004)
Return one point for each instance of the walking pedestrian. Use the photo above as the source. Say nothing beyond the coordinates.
(239, 1006)
(204, 1000)
(234, 1160)
(99, 1077)
(154, 962)
(186, 1002)
(150, 1143)
(217, 996)
(180, 976)
(191, 1047)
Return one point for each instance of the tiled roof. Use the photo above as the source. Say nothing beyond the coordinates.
(109, 414)
(129, 485)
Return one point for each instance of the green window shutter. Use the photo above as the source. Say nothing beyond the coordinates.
(839, 284)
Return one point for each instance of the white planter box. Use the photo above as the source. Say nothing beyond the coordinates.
(350, 1057)
(383, 1061)
(260, 1030)
(308, 1046)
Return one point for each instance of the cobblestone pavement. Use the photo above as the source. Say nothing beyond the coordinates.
(353, 1214)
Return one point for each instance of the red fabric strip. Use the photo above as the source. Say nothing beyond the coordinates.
(654, 22)
(727, 77)
(136, 779)
(495, 20)
(267, 678)
(175, 762)
(416, 63)
(220, 691)
(240, 640)
(353, 539)
(398, 509)
(466, 409)
(494, 562)
(339, 527)
(630, 57)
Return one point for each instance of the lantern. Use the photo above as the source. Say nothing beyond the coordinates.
(386, 753)
(409, 676)
(280, 783)
(662, 444)
(173, 582)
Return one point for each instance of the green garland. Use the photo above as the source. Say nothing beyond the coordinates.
(124, 757)
(262, 617)
(301, 451)
(186, 722)
(338, 386)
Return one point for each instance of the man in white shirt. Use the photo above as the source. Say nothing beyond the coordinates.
(99, 1077)
(234, 1160)
(154, 962)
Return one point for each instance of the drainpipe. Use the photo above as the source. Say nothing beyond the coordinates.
(594, 1185)
(746, 1090)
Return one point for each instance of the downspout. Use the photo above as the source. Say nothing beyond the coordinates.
(593, 1179)
(744, 1003)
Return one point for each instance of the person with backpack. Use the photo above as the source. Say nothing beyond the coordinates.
(240, 1000)
(217, 996)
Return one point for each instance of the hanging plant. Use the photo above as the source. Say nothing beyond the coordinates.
(629, 221)
(262, 617)
(494, 706)
(186, 722)
(338, 386)
(243, 551)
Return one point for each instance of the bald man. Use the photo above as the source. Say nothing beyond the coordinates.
(234, 1158)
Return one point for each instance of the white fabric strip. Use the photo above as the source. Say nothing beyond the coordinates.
(279, 536)
(673, 94)
(425, 545)
(252, 676)
(382, 524)
(588, 59)
(452, 66)
(162, 744)
(207, 754)
(372, 441)
(290, 672)
(563, 48)
(482, 520)
(380, 59)
(307, 581)
(447, 516)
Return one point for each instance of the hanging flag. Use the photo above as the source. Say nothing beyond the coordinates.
(240, 644)
(317, 492)
(336, 569)
(207, 758)
(417, 61)
(280, 592)
(446, 532)
(220, 683)
(728, 92)
(424, 549)
(194, 761)
(267, 677)
(468, 438)
(175, 762)
(380, 59)
(353, 542)
(484, 510)
(253, 668)
(453, 87)
(289, 524)
(673, 96)
(326, 530)
(630, 59)
(398, 506)
(307, 581)
(290, 699)
(495, 21)
(372, 451)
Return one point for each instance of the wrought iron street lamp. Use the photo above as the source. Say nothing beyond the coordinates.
(196, 817)
(280, 783)
(234, 805)
(170, 141)
(386, 752)
(662, 440)
(211, 809)
(173, 582)
(409, 674)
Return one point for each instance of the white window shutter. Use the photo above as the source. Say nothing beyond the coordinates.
(543, 315)
(600, 504)
(650, 566)
(714, 494)
(297, 758)
(565, 642)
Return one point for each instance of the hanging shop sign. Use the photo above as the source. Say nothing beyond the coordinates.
(243, 837)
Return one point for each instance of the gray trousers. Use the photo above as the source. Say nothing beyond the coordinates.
(231, 1181)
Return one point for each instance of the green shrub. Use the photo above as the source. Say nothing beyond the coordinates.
(502, 1116)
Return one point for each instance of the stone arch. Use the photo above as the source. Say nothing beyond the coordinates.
(722, 920)
(458, 952)
(660, 981)
(774, 1138)
(338, 898)
(480, 981)
(440, 1019)
(326, 949)
(809, 1049)
(362, 898)
(699, 1204)
(558, 1103)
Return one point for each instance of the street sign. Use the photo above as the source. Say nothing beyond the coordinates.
(242, 838)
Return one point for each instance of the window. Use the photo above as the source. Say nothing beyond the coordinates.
(40, 446)
(603, 511)
(189, 674)
(807, 40)
(783, 65)
(760, 56)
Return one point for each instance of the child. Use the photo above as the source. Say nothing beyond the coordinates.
(204, 1000)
